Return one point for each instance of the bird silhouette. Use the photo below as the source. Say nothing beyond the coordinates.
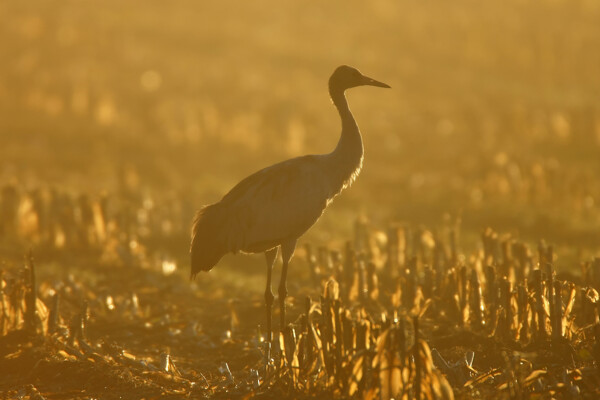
(273, 207)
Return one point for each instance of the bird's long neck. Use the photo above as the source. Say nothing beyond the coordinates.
(348, 154)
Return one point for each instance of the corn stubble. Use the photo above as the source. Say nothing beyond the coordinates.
(403, 314)
(381, 331)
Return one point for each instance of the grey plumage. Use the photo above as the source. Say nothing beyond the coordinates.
(276, 205)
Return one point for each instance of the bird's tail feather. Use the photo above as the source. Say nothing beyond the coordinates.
(207, 246)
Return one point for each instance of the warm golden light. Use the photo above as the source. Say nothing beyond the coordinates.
(468, 243)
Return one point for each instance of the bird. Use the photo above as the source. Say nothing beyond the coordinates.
(270, 209)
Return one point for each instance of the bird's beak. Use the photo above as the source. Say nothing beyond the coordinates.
(372, 82)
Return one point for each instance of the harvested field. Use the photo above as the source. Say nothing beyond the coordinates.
(393, 313)
(464, 262)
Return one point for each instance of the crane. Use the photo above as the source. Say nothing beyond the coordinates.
(273, 207)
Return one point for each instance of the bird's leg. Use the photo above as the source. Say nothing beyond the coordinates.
(287, 251)
(270, 256)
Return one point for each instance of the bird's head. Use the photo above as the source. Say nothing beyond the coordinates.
(346, 77)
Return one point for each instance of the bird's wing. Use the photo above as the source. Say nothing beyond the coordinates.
(275, 204)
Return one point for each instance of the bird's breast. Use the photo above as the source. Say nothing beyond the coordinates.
(344, 177)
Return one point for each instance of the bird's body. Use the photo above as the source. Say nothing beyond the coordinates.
(273, 207)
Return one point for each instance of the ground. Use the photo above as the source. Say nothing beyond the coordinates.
(477, 208)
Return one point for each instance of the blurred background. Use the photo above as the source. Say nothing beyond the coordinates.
(493, 119)
(119, 119)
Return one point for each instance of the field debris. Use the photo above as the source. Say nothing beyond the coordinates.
(399, 313)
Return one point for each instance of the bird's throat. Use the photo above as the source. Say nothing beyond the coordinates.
(348, 154)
